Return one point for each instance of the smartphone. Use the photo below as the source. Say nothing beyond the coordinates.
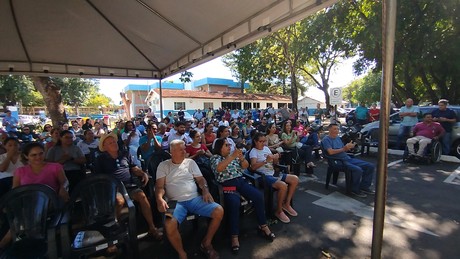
(172, 206)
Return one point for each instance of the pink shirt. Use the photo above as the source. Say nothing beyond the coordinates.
(48, 175)
(431, 130)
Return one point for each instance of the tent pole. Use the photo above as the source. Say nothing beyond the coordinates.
(388, 38)
(161, 101)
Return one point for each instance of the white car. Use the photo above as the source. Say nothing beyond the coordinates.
(28, 119)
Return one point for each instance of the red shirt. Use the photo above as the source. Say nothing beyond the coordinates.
(209, 138)
(374, 114)
(193, 150)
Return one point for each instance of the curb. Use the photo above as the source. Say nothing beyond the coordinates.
(452, 159)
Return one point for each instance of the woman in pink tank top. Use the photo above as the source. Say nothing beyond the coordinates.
(38, 171)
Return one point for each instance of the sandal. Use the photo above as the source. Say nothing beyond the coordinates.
(235, 248)
(270, 236)
(157, 234)
(311, 165)
(209, 252)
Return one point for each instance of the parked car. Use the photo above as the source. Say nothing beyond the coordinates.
(395, 121)
(341, 112)
(187, 115)
(28, 119)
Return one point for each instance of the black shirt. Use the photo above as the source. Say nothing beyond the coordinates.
(119, 167)
(447, 113)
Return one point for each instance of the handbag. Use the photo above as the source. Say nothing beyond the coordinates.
(279, 149)
(299, 144)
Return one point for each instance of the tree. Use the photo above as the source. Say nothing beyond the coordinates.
(19, 90)
(51, 93)
(366, 89)
(98, 99)
(299, 55)
(75, 91)
(270, 62)
(427, 49)
(186, 77)
(327, 44)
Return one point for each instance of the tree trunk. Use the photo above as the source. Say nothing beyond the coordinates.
(294, 91)
(52, 96)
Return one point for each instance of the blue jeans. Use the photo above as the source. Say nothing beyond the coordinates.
(403, 132)
(445, 140)
(362, 173)
(232, 203)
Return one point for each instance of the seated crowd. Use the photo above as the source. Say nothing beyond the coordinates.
(215, 146)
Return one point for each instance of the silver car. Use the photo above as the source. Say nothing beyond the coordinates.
(395, 121)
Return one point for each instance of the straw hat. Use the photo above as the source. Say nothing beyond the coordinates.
(103, 138)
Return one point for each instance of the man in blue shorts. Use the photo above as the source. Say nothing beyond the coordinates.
(177, 179)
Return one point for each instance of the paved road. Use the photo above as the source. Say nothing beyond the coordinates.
(422, 220)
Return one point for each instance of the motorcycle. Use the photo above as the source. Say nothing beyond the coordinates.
(351, 133)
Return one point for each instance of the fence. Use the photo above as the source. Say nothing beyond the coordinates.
(82, 111)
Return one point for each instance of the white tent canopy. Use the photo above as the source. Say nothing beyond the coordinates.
(134, 38)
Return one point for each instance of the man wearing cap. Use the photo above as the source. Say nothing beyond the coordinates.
(123, 167)
(447, 118)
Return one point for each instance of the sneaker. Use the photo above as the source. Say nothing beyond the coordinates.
(368, 191)
(359, 194)
(290, 211)
(282, 217)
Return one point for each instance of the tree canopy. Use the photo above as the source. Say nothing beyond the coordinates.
(427, 51)
(19, 90)
(427, 54)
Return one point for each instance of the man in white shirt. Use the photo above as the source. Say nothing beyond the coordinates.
(177, 180)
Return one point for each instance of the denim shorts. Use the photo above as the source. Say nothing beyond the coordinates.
(195, 206)
(272, 179)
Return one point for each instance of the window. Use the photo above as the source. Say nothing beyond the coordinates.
(281, 105)
(231, 105)
(179, 105)
(269, 105)
(208, 105)
(247, 106)
(256, 105)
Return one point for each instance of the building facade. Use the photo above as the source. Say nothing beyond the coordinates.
(206, 93)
